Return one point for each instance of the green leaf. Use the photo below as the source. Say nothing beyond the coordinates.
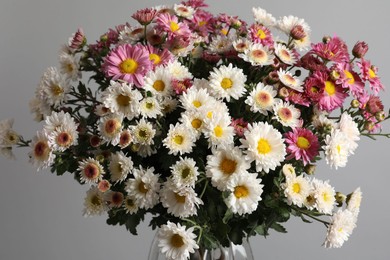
(262, 230)
(228, 216)
(132, 223)
(82, 89)
(276, 226)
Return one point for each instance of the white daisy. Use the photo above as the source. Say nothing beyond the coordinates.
(168, 105)
(342, 224)
(288, 171)
(264, 145)
(219, 132)
(94, 204)
(143, 132)
(175, 242)
(158, 82)
(286, 114)
(101, 110)
(150, 107)
(54, 87)
(245, 193)
(69, 66)
(181, 202)
(110, 128)
(146, 150)
(241, 44)
(177, 71)
(285, 54)
(350, 128)
(220, 44)
(354, 200)
(91, 171)
(296, 190)
(184, 11)
(57, 120)
(290, 81)
(131, 35)
(39, 108)
(193, 121)
(120, 166)
(258, 55)
(8, 137)
(130, 205)
(64, 137)
(194, 99)
(41, 155)
(262, 98)
(324, 195)
(288, 23)
(227, 82)
(337, 149)
(120, 98)
(223, 164)
(179, 140)
(184, 172)
(144, 187)
(263, 17)
(302, 44)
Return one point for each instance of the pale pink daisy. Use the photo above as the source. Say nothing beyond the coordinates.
(332, 97)
(369, 73)
(159, 57)
(334, 49)
(302, 144)
(261, 34)
(171, 25)
(128, 62)
(349, 79)
(145, 16)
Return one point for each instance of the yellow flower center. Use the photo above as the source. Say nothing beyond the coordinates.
(263, 146)
(296, 187)
(224, 31)
(218, 131)
(174, 26)
(185, 172)
(180, 199)
(202, 23)
(349, 76)
(303, 143)
(95, 200)
(330, 88)
(177, 241)
(263, 98)
(227, 166)
(226, 83)
(241, 191)
(371, 73)
(261, 34)
(196, 123)
(64, 139)
(156, 59)
(57, 90)
(326, 197)
(178, 139)
(159, 85)
(338, 147)
(142, 187)
(149, 105)
(112, 126)
(128, 66)
(197, 103)
(209, 114)
(123, 100)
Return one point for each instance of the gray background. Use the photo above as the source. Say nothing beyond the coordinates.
(41, 214)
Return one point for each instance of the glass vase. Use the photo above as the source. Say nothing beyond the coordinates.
(233, 252)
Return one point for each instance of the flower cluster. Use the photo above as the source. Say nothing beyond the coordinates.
(210, 124)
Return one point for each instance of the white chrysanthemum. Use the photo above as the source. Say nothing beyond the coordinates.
(302, 44)
(264, 145)
(150, 107)
(8, 137)
(287, 23)
(214, 109)
(120, 98)
(120, 166)
(193, 121)
(39, 108)
(110, 128)
(258, 55)
(285, 54)
(343, 222)
(324, 195)
(101, 110)
(220, 44)
(179, 140)
(175, 242)
(310, 200)
(145, 150)
(41, 155)
(200, 84)
(296, 190)
(91, 171)
(288, 171)
(130, 205)
(168, 105)
(184, 172)
(69, 66)
(184, 11)
(144, 187)
(94, 204)
(227, 82)
(245, 193)
(219, 132)
(337, 149)
(350, 128)
(290, 81)
(241, 45)
(223, 164)
(262, 98)
(195, 99)
(181, 202)
(177, 71)
(143, 132)
(354, 200)
(54, 87)
(131, 35)
(56, 120)
(286, 114)
(263, 17)
(322, 122)
(64, 137)
(158, 82)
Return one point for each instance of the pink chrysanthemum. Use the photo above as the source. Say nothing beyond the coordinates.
(297, 98)
(302, 144)
(202, 22)
(240, 126)
(159, 57)
(128, 62)
(180, 86)
(145, 16)
(369, 73)
(261, 34)
(349, 79)
(171, 25)
(334, 50)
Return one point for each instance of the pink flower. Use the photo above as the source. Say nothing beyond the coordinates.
(360, 49)
(171, 25)
(195, 3)
(159, 56)
(349, 79)
(310, 62)
(202, 23)
(302, 144)
(240, 126)
(129, 63)
(77, 40)
(181, 86)
(374, 105)
(261, 34)
(298, 98)
(145, 16)
(334, 50)
(369, 73)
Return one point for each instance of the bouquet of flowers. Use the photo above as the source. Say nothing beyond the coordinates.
(210, 124)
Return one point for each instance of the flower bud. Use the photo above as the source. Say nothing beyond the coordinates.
(326, 39)
(334, 75)
(355, 103)
(100, 158)
(369, 126)
(360, 49)
(340, 199)
(310, 169)
(283, 92)
(94, 141)
(298, 32)
(380, 116)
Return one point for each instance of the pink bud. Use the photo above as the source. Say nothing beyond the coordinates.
(360, 49)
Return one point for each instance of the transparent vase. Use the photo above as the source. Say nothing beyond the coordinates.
(233, 252)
